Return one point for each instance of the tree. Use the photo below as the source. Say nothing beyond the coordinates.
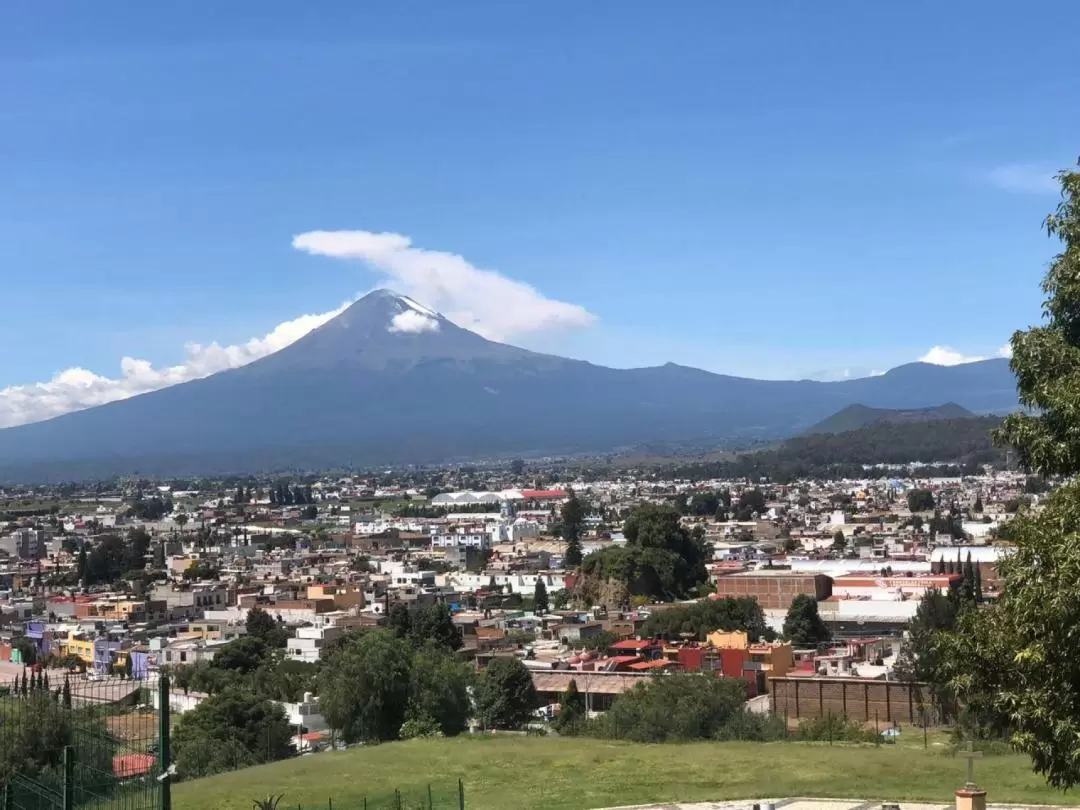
(803, 626)
(572, 710)
(27, 650)
(138, 546)
(108, 560)
(439, 691)
(259, 623)
(659, 560)
(426, 624)
(230, 731)
(505, 696)
(561, 599)
(977, 507)
(919, 659)
(540, 597)
(81, 564)
(364, 688)
(920, 500)
(698, 619)
(1013, 663)
(573, 517)
(839, 542)
(674, 708)
(245, 654)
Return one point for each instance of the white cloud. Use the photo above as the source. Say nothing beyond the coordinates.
(412, 321)
(79, 388)
(948, 356)
(484, 301)
(1024, 178)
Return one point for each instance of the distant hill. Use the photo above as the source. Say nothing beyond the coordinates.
(854, 417)
(961, 445)
(389, 381)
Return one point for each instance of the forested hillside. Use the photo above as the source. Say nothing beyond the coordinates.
(953, 446)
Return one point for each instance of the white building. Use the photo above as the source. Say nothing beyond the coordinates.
(472, 536)
(309, 643)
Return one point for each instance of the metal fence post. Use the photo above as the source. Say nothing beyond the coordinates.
(69, 778)
(164, 747)
(461, 794)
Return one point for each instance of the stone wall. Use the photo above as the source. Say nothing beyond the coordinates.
(860, 699)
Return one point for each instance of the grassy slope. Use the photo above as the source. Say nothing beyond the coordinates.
(571, 774)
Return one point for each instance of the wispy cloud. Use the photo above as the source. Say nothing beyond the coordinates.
(948, 356)
(484, 301)
(78, 388)
(1024, 178)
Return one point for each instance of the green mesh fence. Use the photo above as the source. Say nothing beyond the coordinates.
(68, 742)
(435, 796)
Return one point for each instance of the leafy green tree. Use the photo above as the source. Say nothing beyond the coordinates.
(504, 695)
(364, 689)
(659, 560)
(439, 691)
(572, 709)
(839, 542)
(540, 597)
(27, 650)
(259, 623)
(803, 626)
(675, 708)
(600, 642)
(107, 561)
(138, 546)
(425, 624)
(244, 655)
(703, 504)
(920, 500)
(561, 599)
(573, 518)
(230, 731)
(698, 619)
(34, 732)
(919, 659)
(1013, 663)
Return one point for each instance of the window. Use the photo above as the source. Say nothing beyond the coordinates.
(183, 658)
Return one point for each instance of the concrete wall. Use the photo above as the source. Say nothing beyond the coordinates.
(859, 699)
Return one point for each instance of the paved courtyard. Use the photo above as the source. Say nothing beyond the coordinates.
(823, 804)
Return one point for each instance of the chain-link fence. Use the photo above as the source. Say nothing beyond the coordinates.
(70, 742)
(434, 796)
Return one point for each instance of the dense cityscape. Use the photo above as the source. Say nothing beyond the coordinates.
(582, 406)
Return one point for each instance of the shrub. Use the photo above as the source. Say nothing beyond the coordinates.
(834, 727)
(754, 727)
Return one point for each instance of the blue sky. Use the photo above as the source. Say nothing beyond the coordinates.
(786, 190)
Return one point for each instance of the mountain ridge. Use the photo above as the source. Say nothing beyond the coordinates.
(391, 381)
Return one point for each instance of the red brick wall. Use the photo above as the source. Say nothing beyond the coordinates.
(775, 592)
(860, 699)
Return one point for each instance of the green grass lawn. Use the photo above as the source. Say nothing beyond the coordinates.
(572, 774)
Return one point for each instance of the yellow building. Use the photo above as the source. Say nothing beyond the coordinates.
(83, 649)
